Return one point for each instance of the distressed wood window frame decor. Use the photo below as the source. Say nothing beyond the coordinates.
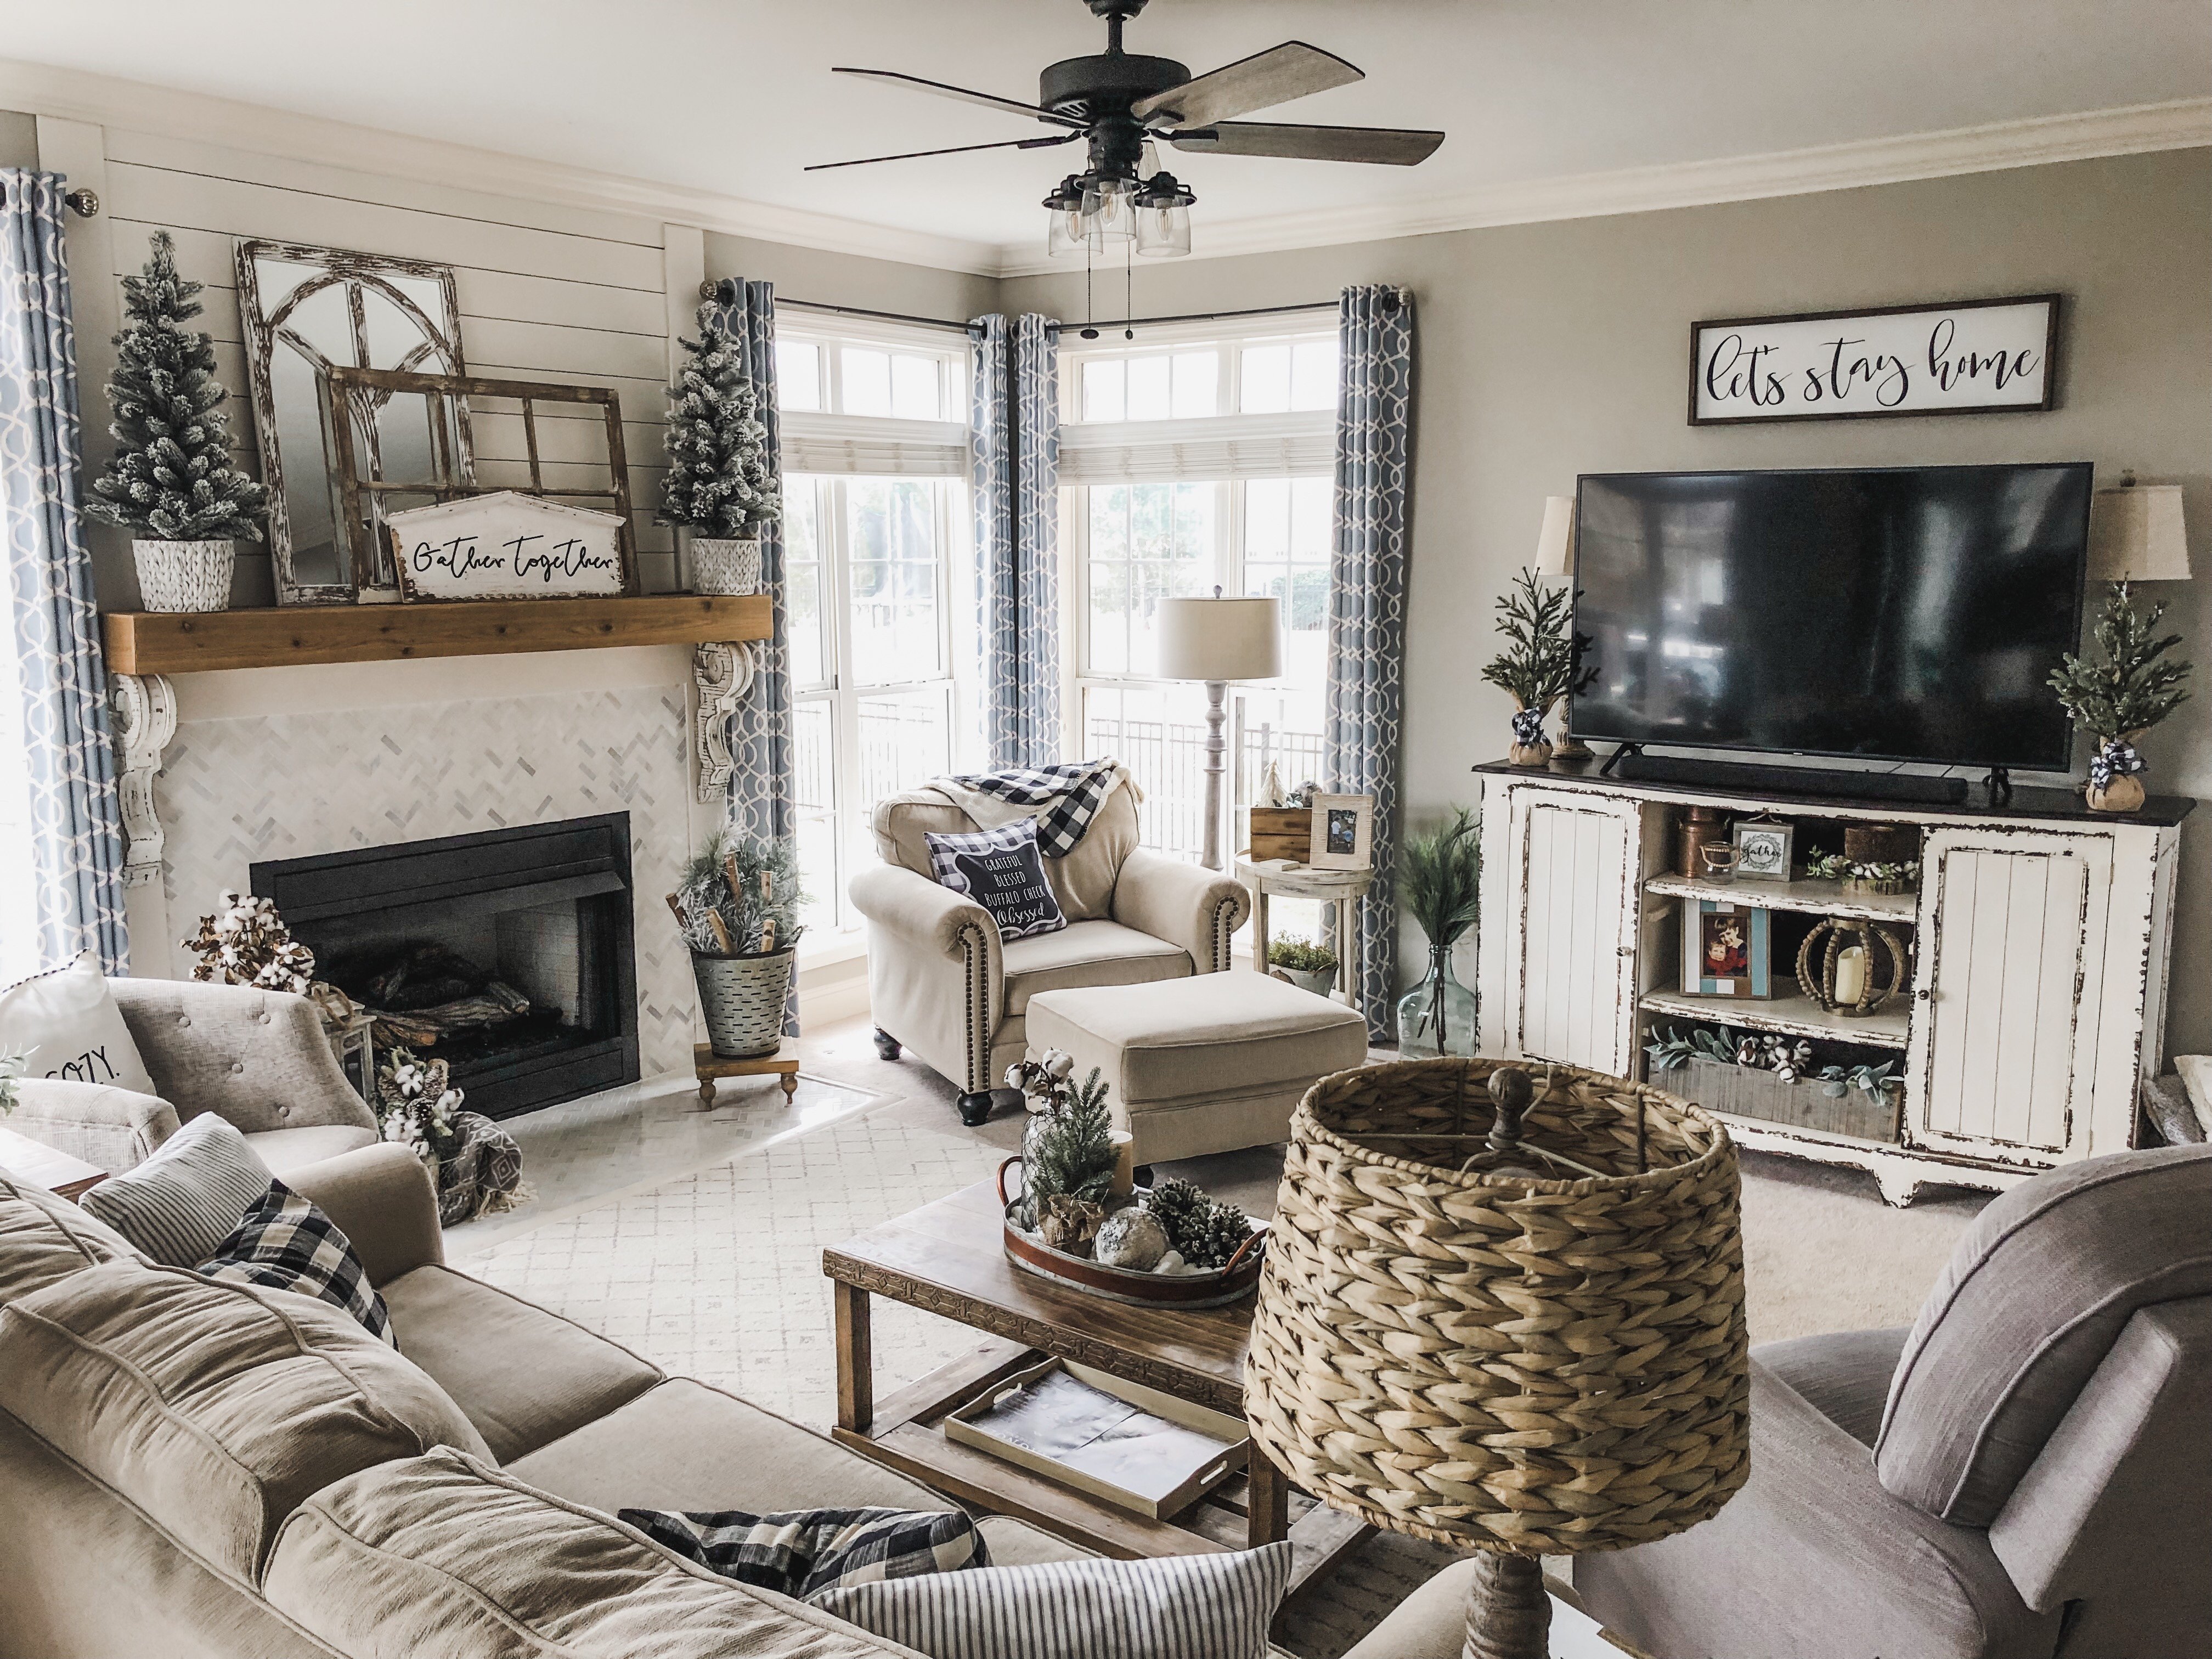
(265, 327)
(446, 403)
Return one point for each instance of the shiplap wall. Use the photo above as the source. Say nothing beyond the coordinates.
(546, 292)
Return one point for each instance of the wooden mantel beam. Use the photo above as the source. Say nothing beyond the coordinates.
(156, 642)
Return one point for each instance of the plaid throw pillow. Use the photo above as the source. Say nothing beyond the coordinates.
(800, 1552)
(1002, 871)
(286, 1244)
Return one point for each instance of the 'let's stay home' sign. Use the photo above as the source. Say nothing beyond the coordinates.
(1972, 358)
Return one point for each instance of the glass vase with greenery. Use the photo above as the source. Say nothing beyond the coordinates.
(1439, 883)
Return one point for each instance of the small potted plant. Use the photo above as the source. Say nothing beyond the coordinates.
(1309, 966)
(1538, 667)
(721, 483)
(738, 909)
(1440, 882)
(2119, 699)
(171, 478)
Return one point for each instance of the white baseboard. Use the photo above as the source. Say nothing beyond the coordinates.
(841, 999)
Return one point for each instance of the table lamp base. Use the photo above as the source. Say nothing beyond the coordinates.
(1509, 1612)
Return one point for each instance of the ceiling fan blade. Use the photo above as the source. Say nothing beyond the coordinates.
(1273, 77)
(990, 100)
(955, 149)
(1397, 147)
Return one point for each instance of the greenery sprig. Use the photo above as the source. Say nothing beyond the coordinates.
(2136, 685)
(1538, 667)
(1439, 879)
(1300, 955)
(741, 897)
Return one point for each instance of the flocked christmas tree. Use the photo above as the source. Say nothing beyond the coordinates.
(2136, 686)
(171, 478)
(720, 481)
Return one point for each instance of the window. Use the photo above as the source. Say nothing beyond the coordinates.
(1239, 497)
(879, 585)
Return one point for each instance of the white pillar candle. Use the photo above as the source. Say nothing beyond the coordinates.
(1851, 975)
(1125, 1162)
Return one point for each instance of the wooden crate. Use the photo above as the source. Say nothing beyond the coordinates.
(1746, 1091)
(1282, 832)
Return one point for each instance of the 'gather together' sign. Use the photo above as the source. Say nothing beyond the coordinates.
(507, 546)
(1976, 356)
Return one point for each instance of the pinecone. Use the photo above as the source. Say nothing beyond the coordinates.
(1206, 1231)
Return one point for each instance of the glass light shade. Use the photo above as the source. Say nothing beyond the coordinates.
(1109, 210)
(1070, 236)
(1163, 233)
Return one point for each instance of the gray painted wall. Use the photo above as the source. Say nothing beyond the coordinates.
(1550, 349)
(847, 279)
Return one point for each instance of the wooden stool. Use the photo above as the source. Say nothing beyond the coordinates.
(708, 1066)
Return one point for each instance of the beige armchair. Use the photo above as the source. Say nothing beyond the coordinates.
(942, 984)
(258, 1058)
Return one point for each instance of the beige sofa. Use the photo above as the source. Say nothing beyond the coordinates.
(942, 984)
(257, 1058)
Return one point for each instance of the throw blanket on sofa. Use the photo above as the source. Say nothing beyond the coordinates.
(1062, 798)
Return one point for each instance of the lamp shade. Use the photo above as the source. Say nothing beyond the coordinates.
(2135, 535)
(1555, 543)
(1220, 639)
(1528, 1365)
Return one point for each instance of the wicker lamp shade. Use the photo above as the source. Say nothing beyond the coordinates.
(1526, 1365)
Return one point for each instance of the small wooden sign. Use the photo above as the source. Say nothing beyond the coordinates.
(1969, 357)
(507, 546)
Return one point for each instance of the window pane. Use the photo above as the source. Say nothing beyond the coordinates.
(802, 554)
(914, 388)
(1149, 399)
(867, 381)
(906, 739)
(814, 801)
(1313, 374)
(891, 526)
(1310, 507)
(1197, 385)
(1267, 377)
(797, 375)
(1101, 392)
(1267, 519)
(1159, 734)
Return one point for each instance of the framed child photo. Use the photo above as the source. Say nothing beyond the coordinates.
(1726, 950)
(1343, 832)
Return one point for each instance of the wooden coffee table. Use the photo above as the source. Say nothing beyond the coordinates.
(60, 1173)
(950, 1258)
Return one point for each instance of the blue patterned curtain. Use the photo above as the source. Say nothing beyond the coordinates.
(77, 835)
(1014, 430)
(760, 732)
(1367, 602)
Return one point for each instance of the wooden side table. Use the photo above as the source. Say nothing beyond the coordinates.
(710, 1066)
(59, 1173)
(1342, 888)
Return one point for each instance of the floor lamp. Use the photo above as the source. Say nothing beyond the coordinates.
(1555, 556)
(1218, 640)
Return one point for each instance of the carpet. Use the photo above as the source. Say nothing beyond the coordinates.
(717, 1274)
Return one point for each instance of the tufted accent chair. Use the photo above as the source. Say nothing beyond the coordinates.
(942, 982)
(256, 1058)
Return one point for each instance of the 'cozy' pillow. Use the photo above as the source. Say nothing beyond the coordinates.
(69, 1021)
(1002, 871)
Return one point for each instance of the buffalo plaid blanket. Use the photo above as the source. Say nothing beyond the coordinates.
(1071, 795)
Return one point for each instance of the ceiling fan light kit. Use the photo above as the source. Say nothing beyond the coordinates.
(1119, 102)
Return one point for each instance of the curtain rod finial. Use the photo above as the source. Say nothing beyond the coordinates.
(84, 203)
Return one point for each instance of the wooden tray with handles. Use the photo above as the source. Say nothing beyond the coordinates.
(1214, 1288)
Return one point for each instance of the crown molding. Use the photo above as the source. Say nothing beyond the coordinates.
(2184, 123)
(136, 106)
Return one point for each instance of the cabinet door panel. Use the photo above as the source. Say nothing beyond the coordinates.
(1572, 981)
(2012, 927)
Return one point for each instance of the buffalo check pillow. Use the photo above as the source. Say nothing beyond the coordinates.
(286, 1244)
(1001, 870)
(802, 1553)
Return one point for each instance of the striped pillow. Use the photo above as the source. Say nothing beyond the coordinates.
(181, 1203)
(1180, 1607)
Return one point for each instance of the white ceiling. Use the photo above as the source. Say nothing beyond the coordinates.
(734, 97)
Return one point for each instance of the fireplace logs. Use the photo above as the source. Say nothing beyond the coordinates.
(419, 991)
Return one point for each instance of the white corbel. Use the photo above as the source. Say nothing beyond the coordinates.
(724, 670)
(145, 710)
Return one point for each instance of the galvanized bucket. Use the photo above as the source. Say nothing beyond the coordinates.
(743, 1000)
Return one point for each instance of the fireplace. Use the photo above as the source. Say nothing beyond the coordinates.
(508, 954)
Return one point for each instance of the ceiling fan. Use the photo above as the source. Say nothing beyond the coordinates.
(1120, 102)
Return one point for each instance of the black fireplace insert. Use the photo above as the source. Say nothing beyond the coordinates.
(508, 954)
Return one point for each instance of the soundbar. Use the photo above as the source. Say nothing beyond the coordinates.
(1751, 778)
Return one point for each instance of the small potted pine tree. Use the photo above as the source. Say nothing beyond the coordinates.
(171, 478)
(721, 483)
(2119, 699)
(738, 909)
(1538, 667)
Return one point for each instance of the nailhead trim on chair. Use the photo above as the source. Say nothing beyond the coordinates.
(1224, 931)
(976, 961)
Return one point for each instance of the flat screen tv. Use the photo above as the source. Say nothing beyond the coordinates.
(1889, 613)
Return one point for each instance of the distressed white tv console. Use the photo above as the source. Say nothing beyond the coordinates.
(2038, 1002)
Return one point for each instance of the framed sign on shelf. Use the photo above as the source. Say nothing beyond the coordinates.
(507, 545)
(1967, 357)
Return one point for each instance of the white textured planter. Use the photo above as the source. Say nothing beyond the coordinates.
(183, 575)
(722, 566)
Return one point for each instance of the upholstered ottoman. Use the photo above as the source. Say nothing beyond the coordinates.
(1206, 1064)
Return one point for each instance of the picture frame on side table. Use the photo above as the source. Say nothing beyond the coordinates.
(1764, 849)
(1343, 832)
(1727, 949)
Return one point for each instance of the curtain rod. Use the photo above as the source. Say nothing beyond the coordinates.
(711, 290)
(1196, 316)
